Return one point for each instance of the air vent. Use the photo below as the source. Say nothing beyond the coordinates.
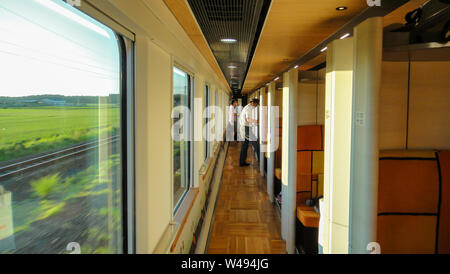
(227, 11)
(240, 20)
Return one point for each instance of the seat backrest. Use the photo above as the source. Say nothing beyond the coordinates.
(310, 138)
(310, 162)
(410, 196)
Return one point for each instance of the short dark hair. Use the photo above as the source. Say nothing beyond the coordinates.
(255, 100)
(234, 100)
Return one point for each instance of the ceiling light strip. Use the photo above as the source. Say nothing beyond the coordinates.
(387, 7)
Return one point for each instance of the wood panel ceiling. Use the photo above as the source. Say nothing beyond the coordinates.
(292, 28)
(395, 17)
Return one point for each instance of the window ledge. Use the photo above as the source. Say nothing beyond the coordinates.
(208, 162)
(216, 145)
(204, 168)
(183, 213)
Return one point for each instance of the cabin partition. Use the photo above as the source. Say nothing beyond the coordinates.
(310, 158)
(414, 185)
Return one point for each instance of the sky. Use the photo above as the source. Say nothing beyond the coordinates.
(49, 47)
(180, 81)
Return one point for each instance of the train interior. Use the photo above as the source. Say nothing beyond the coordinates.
(115, 122)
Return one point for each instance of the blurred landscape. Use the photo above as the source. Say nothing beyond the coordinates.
(72, 199)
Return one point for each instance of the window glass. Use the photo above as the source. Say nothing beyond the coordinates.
(60, 131)
(216, 104)
(206, 96)
(181, 148)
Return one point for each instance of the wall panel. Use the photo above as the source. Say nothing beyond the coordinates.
(321, 97)
(153, 160)
(307, 103)
(424, 122)
(393, 105)
(311, 98)
(429, 117)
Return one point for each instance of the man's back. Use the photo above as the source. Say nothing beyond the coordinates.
(247, 113)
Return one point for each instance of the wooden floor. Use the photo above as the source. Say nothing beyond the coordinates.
(245, 220)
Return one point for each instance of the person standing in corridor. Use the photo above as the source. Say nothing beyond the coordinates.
(233, 114)
(248, 123)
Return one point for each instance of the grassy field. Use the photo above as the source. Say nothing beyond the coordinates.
(83, 197)
(28, 131)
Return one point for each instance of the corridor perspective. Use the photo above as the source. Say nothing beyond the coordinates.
(245, 221)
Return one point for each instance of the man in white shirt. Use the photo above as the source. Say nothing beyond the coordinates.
(248, 123)
(233, 114)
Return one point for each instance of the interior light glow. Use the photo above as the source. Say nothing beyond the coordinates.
(228, 40)
(179, 72)
(345, 36)
(324, 49)
(72, 16)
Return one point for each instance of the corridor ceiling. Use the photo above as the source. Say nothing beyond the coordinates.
(291, 29)
(231, 29)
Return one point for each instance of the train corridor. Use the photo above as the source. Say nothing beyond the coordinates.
(245, 220)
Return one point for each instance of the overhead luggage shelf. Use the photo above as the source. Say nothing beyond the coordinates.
(418, 52)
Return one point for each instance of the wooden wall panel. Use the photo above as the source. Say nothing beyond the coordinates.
(311, 98)
(429, 118)
(321, 97)
(393, 105)
(279, 101)
(307, 103)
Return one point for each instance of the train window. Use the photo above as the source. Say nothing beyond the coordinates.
(216, 104)
(207, 102)
(181, 146)
(61, 182)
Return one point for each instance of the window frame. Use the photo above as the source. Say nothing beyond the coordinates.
(216, 121)
(207, 98)
(127, 55)
(127, 52)
(125, 40)
(191, 92)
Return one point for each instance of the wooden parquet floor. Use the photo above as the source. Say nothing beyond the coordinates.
(245, 220)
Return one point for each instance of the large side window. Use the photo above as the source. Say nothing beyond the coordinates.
(216, 128)
(181, 148)
(61, 158)
(207, 102)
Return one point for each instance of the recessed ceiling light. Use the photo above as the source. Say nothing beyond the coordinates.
(276, 79)
(232, 67)
(324, 49)
(296, 66)
(345, 35)
(341, 8)
(228, 40)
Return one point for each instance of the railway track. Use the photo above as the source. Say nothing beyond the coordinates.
(47, 159)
